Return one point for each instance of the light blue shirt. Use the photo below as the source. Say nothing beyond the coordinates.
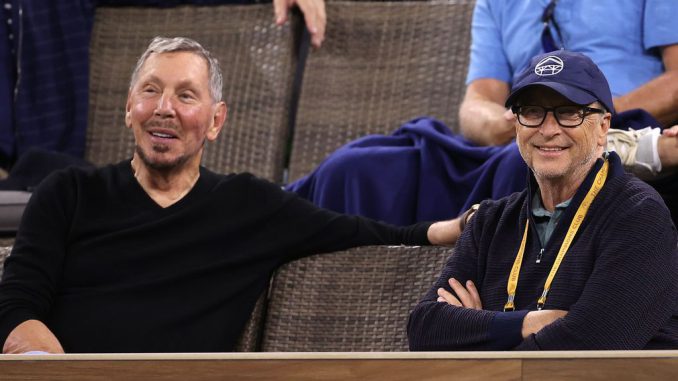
(620, 36)
(545, 220)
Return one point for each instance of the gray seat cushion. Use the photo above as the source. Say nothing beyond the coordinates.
(12, 205)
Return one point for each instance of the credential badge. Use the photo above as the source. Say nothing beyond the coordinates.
(550, 65)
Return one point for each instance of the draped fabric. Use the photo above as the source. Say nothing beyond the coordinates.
(422, 172)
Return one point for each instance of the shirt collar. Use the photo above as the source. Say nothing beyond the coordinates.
(538, 209)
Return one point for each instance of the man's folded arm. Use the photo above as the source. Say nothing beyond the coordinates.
(435, 325)
(631, 292)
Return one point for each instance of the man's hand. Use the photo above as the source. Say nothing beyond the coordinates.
(671, 132)
(536, 320)
(667, 148)
(314, 14)
(468, 296)
(31, 335)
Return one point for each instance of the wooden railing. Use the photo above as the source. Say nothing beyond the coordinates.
(494, 366)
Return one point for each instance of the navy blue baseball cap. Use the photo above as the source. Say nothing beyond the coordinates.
(572, 75)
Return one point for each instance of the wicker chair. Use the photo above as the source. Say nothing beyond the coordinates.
(354, 300)
(4, 253)
(257, 60)
(250, 338)
(382, 64)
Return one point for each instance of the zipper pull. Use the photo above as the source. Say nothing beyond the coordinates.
(541, 253)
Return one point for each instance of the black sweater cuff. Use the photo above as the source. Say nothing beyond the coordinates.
(506, 329)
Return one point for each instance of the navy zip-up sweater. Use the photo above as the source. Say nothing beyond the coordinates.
(618, 281)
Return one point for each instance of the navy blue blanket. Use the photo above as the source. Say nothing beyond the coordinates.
(422, 172)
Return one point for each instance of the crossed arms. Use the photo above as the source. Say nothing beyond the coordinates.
(621, 302)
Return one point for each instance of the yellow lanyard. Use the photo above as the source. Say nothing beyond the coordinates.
(571, 232)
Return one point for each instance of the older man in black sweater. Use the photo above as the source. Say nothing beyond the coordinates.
(158, 254)
(585, 258)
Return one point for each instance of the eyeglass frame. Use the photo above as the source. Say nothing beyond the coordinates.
(585, 111)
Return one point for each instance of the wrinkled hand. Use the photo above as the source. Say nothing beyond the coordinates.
(314, 14)
(671, 132)
(29, 336)
(468, 296)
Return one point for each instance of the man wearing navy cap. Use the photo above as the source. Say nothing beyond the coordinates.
(584, 258)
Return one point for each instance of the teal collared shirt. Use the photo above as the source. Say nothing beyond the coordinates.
(546, 221)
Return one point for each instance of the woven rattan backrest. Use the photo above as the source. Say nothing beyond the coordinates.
(250, 339)
(257, 61)
(382, 64)
(4, 253)
(354, 300)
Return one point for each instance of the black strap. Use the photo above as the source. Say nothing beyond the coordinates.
(302, 54)
(548, 16)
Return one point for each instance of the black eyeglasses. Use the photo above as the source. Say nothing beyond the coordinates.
(547, 41)
(566, 116)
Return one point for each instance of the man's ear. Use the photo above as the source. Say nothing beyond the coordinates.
(128, 112)
(218, 121)
(604, 128)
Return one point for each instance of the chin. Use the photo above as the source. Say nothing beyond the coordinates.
(160, 159)
(549, 172)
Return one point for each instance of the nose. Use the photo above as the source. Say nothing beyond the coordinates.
(164, 108)
(550, 125)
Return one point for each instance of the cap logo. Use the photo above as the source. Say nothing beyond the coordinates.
(550, 65)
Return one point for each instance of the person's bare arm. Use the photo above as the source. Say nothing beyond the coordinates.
(482, 116)
(444, 232)
(31, 335)
(448, 232)
(659, 97)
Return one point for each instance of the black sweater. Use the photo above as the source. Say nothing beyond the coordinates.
(618, 281)
(108, 270)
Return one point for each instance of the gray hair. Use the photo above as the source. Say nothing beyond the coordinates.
(183, 44)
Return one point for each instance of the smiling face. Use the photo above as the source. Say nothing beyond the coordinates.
(559, 154)
(171, 112)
